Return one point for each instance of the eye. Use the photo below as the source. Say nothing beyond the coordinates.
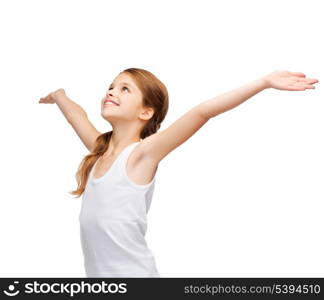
(123, 87)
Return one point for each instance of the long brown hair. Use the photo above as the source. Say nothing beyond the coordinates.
(155, 95)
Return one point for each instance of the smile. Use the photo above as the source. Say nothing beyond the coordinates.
(110, 102)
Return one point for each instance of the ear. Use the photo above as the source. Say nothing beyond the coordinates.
(147, 113)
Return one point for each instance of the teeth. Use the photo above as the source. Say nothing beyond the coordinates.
(106, 102)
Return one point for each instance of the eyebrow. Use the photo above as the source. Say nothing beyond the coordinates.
(125, 83)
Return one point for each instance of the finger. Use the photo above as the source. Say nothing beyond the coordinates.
(312, 80)
(295, 88)
(303, 84)
(308, 86)
(296, 80)
(298, 74)
(307, 81)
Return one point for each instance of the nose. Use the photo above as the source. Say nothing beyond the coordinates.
(109, 92)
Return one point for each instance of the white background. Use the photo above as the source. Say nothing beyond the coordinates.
(243, 197)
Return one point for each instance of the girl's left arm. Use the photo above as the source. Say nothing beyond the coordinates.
(158, 145)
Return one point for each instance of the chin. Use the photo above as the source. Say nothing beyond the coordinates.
(108, 116)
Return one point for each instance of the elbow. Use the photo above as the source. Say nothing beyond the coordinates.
(208, 110)
(74, 116)
(203, 112)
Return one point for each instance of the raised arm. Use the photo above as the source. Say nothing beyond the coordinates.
(75, 115)
(160, 144)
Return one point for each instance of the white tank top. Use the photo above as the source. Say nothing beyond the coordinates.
(113, 223)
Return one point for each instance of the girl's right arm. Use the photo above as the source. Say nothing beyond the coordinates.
(75, 115)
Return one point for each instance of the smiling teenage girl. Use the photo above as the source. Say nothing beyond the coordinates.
(117, 177)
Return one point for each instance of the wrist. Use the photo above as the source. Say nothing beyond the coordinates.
(264, 83)
(59, 95)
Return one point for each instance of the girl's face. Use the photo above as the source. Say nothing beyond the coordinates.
(128, 97)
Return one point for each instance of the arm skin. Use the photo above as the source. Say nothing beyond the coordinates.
(75, 115)
(231, 99)
(78, 119)
(160, 144)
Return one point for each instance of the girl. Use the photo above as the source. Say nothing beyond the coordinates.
(117, 178)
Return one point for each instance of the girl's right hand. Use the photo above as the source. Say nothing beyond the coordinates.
(52, 97)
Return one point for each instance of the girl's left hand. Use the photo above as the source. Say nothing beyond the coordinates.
(289, 81)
